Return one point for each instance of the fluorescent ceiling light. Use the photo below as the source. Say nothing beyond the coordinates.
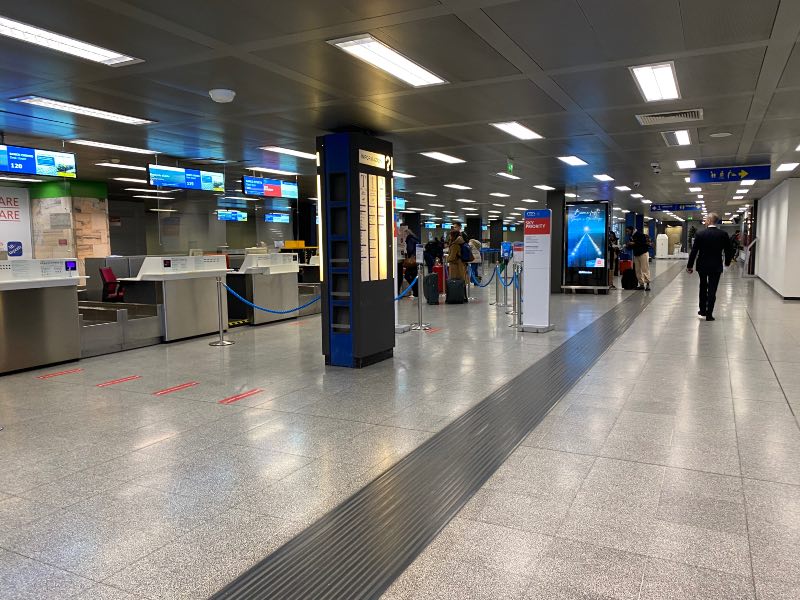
(495, 212)
(62, 43)
(113, 147)
(289, 151)
(624, 212)
(465, 200)
(571, 195)
(426, 194)
(20, 179)
(154, 197)
(530, 200)
(636, 196)
(686, 164)
(495, 204)
(149, 191)
(748, 182)
(622, 188)
(517, 130)
(273, 171)
(699, 202)
(700, 196)
(657, 81)
(457, 186)
(687, 179)
(603, 177)
(130, 180)
(787, 167)
(169, 210)
(695, 189)
(738, 197)
(437, 205)
(448, 212)
(507, 175)
(520, 208)
(120, 166)
(416, 209)
(741, 191)
(573, 161)
(403, 175)
(515, 214)
(682, 136)
(376, 53)
(452, 160)
(646, 201)
(500, 195)
(546, 188)
(80, 110)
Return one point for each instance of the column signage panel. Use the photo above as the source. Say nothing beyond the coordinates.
(536, 269)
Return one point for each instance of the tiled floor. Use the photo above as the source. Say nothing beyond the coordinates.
(116, 493)
(671, 472)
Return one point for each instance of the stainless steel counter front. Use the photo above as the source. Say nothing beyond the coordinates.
(189, 306)
(274, 291)
(38, 326)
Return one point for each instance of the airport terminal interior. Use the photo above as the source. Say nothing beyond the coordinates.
(565, 366)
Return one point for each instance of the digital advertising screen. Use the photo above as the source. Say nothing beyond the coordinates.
(231, 215)
(276, 218)
(186, 179)
(32, 161)
(270, 188)
(586, 227)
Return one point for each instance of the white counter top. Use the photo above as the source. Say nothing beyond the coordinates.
(29, 284)
(175, 276)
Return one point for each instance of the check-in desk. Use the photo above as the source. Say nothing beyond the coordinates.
(186, 289)
(268, 280)
(39, 321)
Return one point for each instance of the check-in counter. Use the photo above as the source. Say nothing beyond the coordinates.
(39, 321)
(186, 289)
(268, 280)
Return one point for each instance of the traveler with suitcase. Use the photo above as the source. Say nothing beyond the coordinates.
(456, 287)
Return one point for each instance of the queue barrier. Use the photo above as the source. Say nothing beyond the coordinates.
(269, 310)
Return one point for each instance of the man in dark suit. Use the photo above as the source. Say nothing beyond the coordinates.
(710, 248)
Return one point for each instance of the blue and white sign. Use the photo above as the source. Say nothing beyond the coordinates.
(231, 215)
(673, 207)
(276, 218)
(726, 174)
(270, 188)
(32, 161)
(399, 203)
(186, 179)
(506, 249)
(15, 222)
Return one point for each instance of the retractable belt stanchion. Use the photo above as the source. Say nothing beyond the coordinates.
(517, 311)
(496, 287)
(514, 306)
(221, 341)
(419, 325)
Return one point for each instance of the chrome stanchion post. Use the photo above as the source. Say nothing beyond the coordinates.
(419, 325)
(221, 341)
(514, 305)
(496, 287)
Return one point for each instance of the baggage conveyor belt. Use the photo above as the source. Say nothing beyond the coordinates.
(360, 547)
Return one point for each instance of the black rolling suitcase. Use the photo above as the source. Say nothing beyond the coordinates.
(456, 291)
(629, 281)
(430, 287)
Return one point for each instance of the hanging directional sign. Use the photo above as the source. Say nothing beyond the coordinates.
(726, 174)
(673, 207)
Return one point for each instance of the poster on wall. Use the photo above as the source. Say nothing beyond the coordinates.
(586, 227)
(15, 223)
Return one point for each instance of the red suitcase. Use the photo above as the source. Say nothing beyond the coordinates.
(439, 270)
(624, 265)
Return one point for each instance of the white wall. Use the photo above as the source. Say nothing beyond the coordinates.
(778, 253)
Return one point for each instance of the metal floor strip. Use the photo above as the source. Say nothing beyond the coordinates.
(358, 549)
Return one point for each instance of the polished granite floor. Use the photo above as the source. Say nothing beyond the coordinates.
(675, 460)
(671, 472)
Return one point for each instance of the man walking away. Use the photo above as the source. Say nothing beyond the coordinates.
(710, 246)
(637, 242)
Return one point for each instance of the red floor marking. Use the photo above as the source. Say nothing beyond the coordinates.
(433, 330)
(176, 388)
(49, 375)
(241, 396)
(116, 381)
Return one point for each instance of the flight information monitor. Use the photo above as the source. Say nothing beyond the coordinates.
(231, 215)
(186, 179)
(32, 161)
(276, 218)
(270, 188)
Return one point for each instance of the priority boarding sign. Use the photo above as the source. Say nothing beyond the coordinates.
(536, 270)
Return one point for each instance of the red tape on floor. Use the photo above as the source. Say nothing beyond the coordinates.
(116, 381)
(241, 396)
(176, 388)
(59, 373)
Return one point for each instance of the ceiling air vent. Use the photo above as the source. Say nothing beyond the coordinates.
(668, 118)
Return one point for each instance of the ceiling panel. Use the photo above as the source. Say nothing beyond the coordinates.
(363, 115)
(784, 104)
(719, 74)
(791, 74)
(717, 22)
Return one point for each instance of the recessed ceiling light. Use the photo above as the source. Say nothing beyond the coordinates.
(112, 147)
(495, 204)
(465, 200)
(721, 134)
(748, 182)
(376, 53)
(603, 177)
(500, 195)
(436, 205)
(167, 210)
(625, 211)
(507, 175)
(572, 161)
(149, 191)
(448, 212)
(657, 81)
(695, 189)
(416, 209)
(520, 208)
(400, 175)
(273, 171)
(154, 197)
(700, 196)
(530, 200)
(120, 166)
(738, 197)
(741, 191)
(457, 186)
(546, 188)
(80, 110)
(517, 130)
(622, 188)
(682, 137)
(130, 180)
(636, 196)
(62, 43)
(495, 212)
(571, 195)
(687, 179)
(515, 214)
(787, 167)
(686, 164)
(646, 201)
(290, 152)
(699, 202)
(20, 179)
(452, 160)
(426, 194)
(616, 208)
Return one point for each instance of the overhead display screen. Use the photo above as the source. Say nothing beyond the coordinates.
(32, 161)
(186, 179)
(276, 218)
(586, 245)
(271, 188)
(231, 215)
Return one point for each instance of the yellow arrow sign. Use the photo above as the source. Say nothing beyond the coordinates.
(742, 174)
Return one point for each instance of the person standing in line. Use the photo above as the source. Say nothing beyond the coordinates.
(711, 247)
(475, 246)
(613, 258)
(637, 242)
(457, 267)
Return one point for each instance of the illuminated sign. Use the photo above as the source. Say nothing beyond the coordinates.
(186, 179)
(32, 161)
(276, 218)
(231, 215)
(270, 188)
(372, 159)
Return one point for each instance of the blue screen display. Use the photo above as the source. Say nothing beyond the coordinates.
(271, 188)
(231, 215)
(586, 236)
(430, 225)
(276, 218)
(186, 179)
(32, 161)
(399, 203)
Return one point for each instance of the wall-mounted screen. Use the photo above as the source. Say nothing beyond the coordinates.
(431, 225)
(271, 188)
(231, 215)
(276, 218)
(186, 179)
(399, 203)
(32, 161)
(586, 245)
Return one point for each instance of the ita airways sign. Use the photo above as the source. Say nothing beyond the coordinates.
(15, 223)
(729, 174)
(536, 271)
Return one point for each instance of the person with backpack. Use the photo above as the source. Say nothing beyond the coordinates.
(637, 243)
(475, 248)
